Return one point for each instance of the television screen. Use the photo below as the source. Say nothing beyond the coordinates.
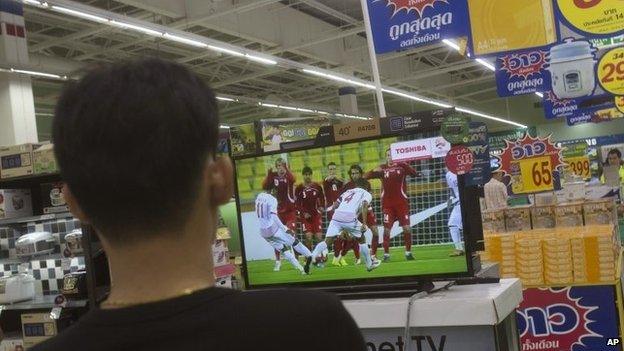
(381, 210)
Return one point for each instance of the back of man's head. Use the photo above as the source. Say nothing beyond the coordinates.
(132, 141)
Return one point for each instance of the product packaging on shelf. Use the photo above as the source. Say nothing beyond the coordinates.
(493, 220)
(52, 198)
(569, 214)
(543, 217)
(16, 160)
(37, 327)
(518, 218)
(599, 212)
(12, 344)
(15, 203)
(44, 160)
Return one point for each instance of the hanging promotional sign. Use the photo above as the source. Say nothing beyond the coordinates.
(531, 163)
(478, 144)
(579, 318)
(522, 72)
(610, 71)
(496, 140)
(619, 103)
(595, 108)
(577, 160)
(455, 129)
(404, 24)
(459, 160)
(243, 139)
(419, 149)
(501, 26)
(591, 18)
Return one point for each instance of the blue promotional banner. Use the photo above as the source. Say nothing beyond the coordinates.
(522, 72)
(588, 109)
(404, 24)
(580, 318)
(478, 144)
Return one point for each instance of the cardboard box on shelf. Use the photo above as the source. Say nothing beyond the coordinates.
(44, 160)
(12, 344)
(493, 220)
(543, 217)
(16, 160)
(599, 212)
(518, 218)
(569, 214)
(15, 203)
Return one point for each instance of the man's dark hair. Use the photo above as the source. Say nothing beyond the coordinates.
(356, 167)
(615, 152)
(361, 183)
(331, 164)
(132, 140)
(306, 170)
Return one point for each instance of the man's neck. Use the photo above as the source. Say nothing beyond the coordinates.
(159, 268)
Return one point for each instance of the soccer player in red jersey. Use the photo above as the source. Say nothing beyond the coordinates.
(284, 181)
(310, 204)
(394, 203)
(332, 187)
(355, 173)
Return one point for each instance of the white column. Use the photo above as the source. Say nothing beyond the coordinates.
(17, 107)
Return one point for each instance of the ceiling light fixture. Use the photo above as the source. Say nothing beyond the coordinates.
(451, 44)
(223, 98)
(486, 64)
(141, 29)
(184, 40)
(416, 98)
(79, 14)
(260, 59)
(338, 78)
(475, 113)
(226, 51)
(541, 95)
(38, 74)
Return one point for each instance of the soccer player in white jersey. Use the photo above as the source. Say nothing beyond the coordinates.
(455, 219)
(351, 204)
(276, 233)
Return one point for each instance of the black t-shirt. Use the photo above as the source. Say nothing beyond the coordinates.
(217, 319)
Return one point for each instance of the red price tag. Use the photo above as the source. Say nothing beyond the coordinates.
(459, 160)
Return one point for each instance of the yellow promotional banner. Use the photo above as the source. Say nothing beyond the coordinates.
(510, 25)
(579, 166)
(535, 175)
(611, 71)
(594, 17)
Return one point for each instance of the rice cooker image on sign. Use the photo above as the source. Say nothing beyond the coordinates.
(572, 69)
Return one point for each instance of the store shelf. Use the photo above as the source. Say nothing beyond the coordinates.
(43, 302)
(54, 256)
(30, 180)
(44, 217)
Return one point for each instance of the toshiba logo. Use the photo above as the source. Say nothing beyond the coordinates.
(408, 149)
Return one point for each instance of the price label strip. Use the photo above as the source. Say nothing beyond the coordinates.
(611, 71)
(579, 166)
(356, 130)
(532, 175)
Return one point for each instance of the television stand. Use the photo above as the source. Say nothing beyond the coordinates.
(379, 291)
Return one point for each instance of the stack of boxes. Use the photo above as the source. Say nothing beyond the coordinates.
(224, 270)
(27, 159)
(529, 259)
(554, 244)
(593, 254)
(557, 258)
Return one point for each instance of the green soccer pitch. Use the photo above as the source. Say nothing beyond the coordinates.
(428, 260)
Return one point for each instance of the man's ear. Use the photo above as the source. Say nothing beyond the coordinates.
(220, 175)
(73, 205)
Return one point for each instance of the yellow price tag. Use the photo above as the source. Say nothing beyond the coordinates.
(611, 71)
(579, 165)
(619, 103)
(594, 16)
(535, 175)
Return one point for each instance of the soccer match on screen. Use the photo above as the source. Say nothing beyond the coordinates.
(351, 211)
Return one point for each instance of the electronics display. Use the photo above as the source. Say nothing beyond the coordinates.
(75, 285)
(16, 161)
(73, 242)
(33, 244)
(15, 203)
(52, 198)
(37, 327)
(427, 197)
(19, 287)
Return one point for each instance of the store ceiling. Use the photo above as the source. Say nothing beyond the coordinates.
(323, 33)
